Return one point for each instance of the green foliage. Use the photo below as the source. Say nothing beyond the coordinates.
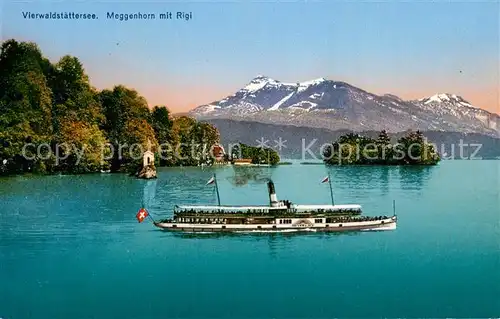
(53, 120)
(191, 142)
(140, 137)
(353, 149)
(161, 123)
(119, 106)
(84, 148)
(258, 155)
(126, 123)
(25, 104)
(73, 97)
(415, 150)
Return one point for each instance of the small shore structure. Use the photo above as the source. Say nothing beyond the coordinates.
(219, 154)
(148, 169)
(242, 162)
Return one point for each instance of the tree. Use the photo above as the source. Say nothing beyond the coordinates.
(180, 150)
(192, 141)
(259, 155)
(124, 110)
(353, 149)
(206, 138)
(119, 106)
(55, 106)
(138, 138)
(415, 150)
(385, 148)
(25, 103)
(84, 148)
(162, 125)
(383, 138)
(74, 98)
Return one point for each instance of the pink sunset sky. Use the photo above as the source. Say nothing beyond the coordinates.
(184, 98)
(409, 49)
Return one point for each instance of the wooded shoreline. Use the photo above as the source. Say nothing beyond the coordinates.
(53, 121)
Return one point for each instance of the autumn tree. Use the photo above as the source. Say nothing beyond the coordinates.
(192, 141)
(84, 148)
(139, 137)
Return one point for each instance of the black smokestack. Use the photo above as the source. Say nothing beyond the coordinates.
(270, 187)
(273, 199)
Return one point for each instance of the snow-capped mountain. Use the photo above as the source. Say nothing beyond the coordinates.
(460, 114)
(339, 105)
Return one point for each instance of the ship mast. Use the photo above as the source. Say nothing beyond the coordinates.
(331, 190)
(217, 190)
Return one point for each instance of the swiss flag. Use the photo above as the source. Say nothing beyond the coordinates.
(326, 179)
(141, 215)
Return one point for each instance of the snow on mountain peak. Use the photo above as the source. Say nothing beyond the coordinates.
(260, 78)
(261, 81)
(312, 82)
(447, 97)
(304, 85)
(442, 97)
(258, 83)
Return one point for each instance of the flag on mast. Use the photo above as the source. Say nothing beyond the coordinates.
(210, 181)
(326, 179)
(141, 215)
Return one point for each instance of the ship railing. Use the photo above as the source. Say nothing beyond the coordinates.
(265, 212)
(346, 219)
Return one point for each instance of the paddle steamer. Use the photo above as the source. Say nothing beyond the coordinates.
(278, 216)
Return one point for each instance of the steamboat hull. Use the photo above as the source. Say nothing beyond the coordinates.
(378, 225)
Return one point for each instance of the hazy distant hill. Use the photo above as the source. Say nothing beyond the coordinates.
(294, 137)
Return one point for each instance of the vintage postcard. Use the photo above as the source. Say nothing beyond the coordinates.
(249, 159)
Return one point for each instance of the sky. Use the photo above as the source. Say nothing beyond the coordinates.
(410, 49)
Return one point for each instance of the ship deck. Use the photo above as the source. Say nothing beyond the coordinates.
(375, 223)
(298, 208)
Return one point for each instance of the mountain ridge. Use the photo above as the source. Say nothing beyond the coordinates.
(339, 105)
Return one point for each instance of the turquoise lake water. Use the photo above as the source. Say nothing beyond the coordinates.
(70, 246)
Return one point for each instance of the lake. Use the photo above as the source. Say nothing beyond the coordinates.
(70, 246)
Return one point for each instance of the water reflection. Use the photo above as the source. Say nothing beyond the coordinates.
(384, 179)
(363, 179)
(273, 244)
(182, 186)
(149, 193)
(414, 177)
(244, 175)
